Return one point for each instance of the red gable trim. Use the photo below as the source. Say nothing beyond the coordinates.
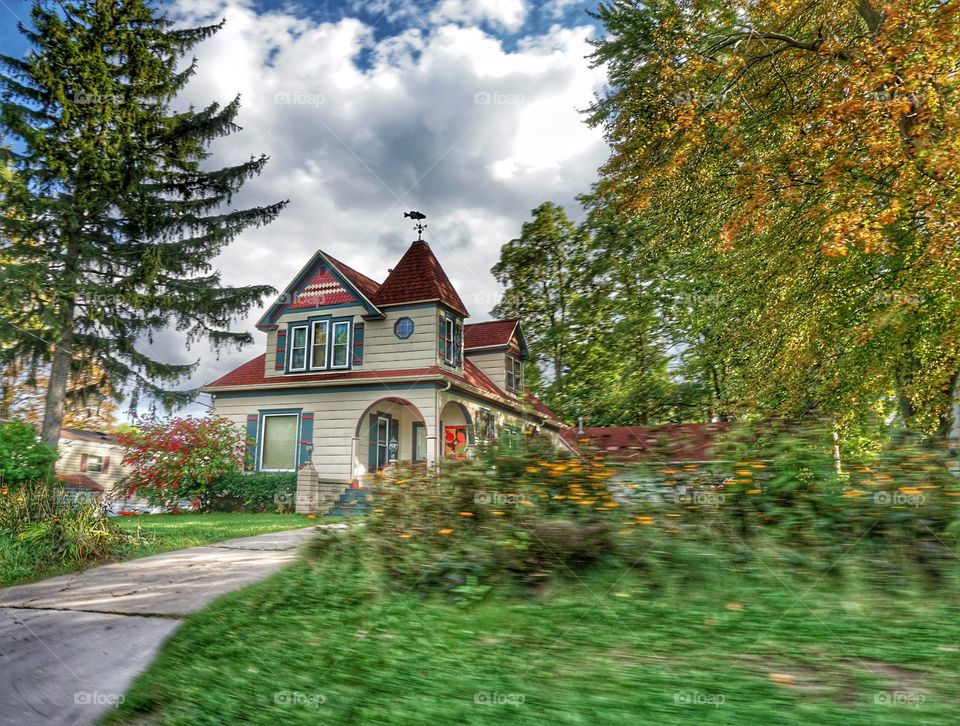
(322, 285)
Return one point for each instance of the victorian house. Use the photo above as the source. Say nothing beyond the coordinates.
(358, 374)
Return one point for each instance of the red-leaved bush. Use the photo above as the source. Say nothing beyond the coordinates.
(176, 459)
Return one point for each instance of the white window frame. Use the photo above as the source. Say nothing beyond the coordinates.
(332, 341)
(306, 346)
(449, 342)
(326, 344)
(263, 440)
(515, 366)
(90, 458)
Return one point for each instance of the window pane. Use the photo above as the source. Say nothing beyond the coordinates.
(279, 442)
(319, 354)
(341, 341)
(298, 348)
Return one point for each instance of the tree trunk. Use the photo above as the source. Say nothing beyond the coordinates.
(60, 367)
(59, 378)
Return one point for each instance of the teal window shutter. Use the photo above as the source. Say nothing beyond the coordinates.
(358, 344)
(306, 437)
(372, 448)
(250, 462)
(281, 349)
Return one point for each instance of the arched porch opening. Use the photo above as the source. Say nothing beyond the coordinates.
(391, 430)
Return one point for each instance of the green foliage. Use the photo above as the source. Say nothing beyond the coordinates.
(111, 215)
(22, 456)
(790, 171)
(592, 321)
(253, 492)
(41, 526)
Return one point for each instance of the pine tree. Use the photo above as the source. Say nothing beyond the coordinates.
(110, 220)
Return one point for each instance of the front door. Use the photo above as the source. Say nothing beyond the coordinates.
(455, 442)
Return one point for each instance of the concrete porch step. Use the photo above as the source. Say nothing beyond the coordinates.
(351, 503)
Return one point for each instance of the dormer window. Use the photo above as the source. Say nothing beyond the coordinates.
(514, 374)
(319, 345)
(318, 351)
(340, 347)
(298, 348)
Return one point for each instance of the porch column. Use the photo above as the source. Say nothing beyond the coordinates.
(354, 448)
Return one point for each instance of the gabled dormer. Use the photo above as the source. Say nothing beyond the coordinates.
(497, 348)
(317, 324)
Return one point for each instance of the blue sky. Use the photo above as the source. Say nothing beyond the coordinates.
(468, 110)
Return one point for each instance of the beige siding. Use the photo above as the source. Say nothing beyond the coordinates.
(336, 416)
(70, 454)
(493, 365)
(385, 351)
(271, 357)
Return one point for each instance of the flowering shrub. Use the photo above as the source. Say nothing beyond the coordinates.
(178, 459)
(517, 516)
(522, 517)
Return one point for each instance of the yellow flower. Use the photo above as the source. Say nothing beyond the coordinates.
(446, 531)
(406, 536)
(744, 472)
(611, 504)
(911, 491)
(531, 470)
(645, 520)
(311, 516)
(499, 514)
(466, 514)
(526, 502)
(4, 491)
(753, 491)
(852, 493)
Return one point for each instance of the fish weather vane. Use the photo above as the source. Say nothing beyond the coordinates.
(418, 217)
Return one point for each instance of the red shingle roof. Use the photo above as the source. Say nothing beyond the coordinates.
(253, 373)
(360, 281)
(79, 481)
(489, 333)
(418, 277)
(671, 442)
(542, 408)
(478, 379)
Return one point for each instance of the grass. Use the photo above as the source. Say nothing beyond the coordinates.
(159, 533)
(759, 643)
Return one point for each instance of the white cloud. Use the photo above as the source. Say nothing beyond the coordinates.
(445, 120)
(507, 14)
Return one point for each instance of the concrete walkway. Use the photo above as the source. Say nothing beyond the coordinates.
(71, 645)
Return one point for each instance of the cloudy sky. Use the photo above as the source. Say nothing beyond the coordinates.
(468, 110)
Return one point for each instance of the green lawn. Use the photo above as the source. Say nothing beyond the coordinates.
(159, 533)
(755, 644)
